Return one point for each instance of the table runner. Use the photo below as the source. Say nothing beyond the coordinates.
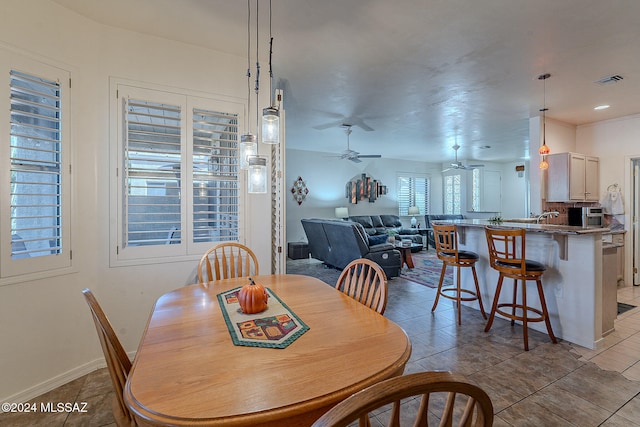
(276, 327)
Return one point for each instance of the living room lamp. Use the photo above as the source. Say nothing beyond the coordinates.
(413, 210)
(342, 212)
(271, 114)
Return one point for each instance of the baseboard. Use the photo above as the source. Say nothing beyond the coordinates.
(58, 380)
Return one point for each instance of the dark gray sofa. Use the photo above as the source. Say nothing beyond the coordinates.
(383, 224)
(428, 221)
(337, 243)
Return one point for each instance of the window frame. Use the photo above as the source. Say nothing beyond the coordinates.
(55, 264)
(187, 249)
(426, 207)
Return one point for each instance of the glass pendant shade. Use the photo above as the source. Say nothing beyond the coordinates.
(270, 125)
(544, 149)
(248, 148)
(257, 175)
(543, 165)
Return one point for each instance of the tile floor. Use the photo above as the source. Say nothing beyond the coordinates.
(551, 385)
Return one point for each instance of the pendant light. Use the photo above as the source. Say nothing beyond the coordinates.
(271, 114)
(248, 141)
(544, 149)
(257, 173)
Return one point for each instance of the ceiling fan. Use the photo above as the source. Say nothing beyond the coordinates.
(341, 120)
(458, 164)
(354, 156)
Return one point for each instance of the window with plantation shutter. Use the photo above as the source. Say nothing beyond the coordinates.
(413, 190)
(178, 155)
(215, 176)
(36, 170)
(152, 166)
(452, 193)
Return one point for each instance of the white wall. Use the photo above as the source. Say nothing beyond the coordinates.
(46, 331)
(613, 141)
(326, 179)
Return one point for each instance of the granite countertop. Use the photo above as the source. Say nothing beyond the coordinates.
(536, 228)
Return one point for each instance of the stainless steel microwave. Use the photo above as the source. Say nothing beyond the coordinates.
(585, 217)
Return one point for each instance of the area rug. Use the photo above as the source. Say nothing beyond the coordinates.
(427, 270)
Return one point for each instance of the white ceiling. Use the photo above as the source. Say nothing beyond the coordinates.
(418, 72)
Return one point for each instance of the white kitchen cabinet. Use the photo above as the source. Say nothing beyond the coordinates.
(573, 177)
(486, 191)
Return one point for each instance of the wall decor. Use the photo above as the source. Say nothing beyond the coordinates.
(364, 187)
(299, 190)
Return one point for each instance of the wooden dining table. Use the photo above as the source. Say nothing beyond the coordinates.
(187, 371)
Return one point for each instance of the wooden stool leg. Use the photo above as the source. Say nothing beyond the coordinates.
(545, 312)
(443, 271)
(525, 323)
(494, 307)
(515, 300)
(459, 297)
(475, 279)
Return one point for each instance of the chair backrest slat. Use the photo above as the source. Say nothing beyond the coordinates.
(466, 404)
(446, 240)
(366, 282)
(506, 248)
(229, 260)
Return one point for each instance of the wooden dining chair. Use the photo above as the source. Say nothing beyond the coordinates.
(457, 401)
(118, 362)
(366, 282)
(447, 251)
(507, 255)
(229, 260)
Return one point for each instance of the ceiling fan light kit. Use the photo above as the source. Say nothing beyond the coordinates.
(354, 156)
(458, 164)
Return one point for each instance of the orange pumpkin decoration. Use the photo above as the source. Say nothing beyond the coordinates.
(252, 298)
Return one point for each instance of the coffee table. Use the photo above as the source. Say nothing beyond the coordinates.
(405, 253)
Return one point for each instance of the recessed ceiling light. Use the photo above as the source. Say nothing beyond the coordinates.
(601, 107)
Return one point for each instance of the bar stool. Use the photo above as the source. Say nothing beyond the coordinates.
(507, 256)
(446, 240)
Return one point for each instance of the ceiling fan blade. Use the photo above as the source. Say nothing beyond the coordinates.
(369, 156)
(361, 124)
(355, 159)
(475, 166)
(328, 125)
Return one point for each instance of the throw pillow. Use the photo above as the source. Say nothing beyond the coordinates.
(378, 239)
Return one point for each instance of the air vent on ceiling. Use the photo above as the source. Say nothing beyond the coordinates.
(609, 79)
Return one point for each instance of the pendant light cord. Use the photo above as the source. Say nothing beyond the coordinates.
(544, 108)
(270, 56)
(257, 86)
(247, 119)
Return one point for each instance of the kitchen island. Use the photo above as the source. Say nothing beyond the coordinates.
(572, 282)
